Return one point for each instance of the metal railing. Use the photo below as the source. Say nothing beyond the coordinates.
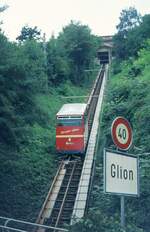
(4, 227)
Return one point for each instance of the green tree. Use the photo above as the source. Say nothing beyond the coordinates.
(129, 18)
(80, 46)
(57, 62)
(7, 115)
(2, 9)
(128, 31)
(29, 33)
(22, 76)
(70, 53)
(144, 30)
(129, 45)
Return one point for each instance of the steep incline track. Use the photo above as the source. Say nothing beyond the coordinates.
(58, 207)
(63, 207)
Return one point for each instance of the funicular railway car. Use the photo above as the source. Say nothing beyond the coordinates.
(71, 129)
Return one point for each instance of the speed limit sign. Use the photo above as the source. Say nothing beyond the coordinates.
(121, 133)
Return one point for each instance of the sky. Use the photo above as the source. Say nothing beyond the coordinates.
(50, 16)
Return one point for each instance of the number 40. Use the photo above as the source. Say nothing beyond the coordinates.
(122, 133)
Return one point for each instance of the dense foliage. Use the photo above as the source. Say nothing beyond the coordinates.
(127, 95)
(33, 79)
(29, 33)
(71, 53)
(133, 30)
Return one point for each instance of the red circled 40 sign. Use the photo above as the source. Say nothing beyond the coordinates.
(121, 133)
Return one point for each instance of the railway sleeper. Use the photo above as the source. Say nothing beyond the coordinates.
(59, 200)
(64, 212)
(73, 187)
(62, 221)
(65, 206)
(74, 183)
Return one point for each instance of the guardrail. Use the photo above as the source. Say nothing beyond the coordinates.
(6, 228)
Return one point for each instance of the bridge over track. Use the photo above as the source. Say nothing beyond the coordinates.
(107, 40)
(105, 51)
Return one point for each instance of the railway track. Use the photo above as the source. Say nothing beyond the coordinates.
(64, 204)
(92, 102)
(58, 207)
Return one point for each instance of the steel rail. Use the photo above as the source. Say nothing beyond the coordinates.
(41, 216)
(64, 198)
(86, 178)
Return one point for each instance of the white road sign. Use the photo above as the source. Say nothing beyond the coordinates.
(121, 173)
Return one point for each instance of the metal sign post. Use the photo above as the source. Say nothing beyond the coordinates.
(121, 175)
(122, 137)
(122, 212)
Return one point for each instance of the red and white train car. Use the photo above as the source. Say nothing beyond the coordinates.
(72, 128)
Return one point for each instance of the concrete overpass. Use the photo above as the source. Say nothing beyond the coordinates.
(105, 51)
(107, 40)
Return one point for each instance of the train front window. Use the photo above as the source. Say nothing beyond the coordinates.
(69, 121)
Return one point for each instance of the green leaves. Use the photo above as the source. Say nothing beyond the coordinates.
(73, 51)
(133, 30)
(128, 19)
(29, 33)
(128, 95)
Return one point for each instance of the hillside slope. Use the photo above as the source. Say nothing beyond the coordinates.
(127, 95)
(26, 175)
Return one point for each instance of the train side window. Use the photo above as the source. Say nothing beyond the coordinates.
(69, 122)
